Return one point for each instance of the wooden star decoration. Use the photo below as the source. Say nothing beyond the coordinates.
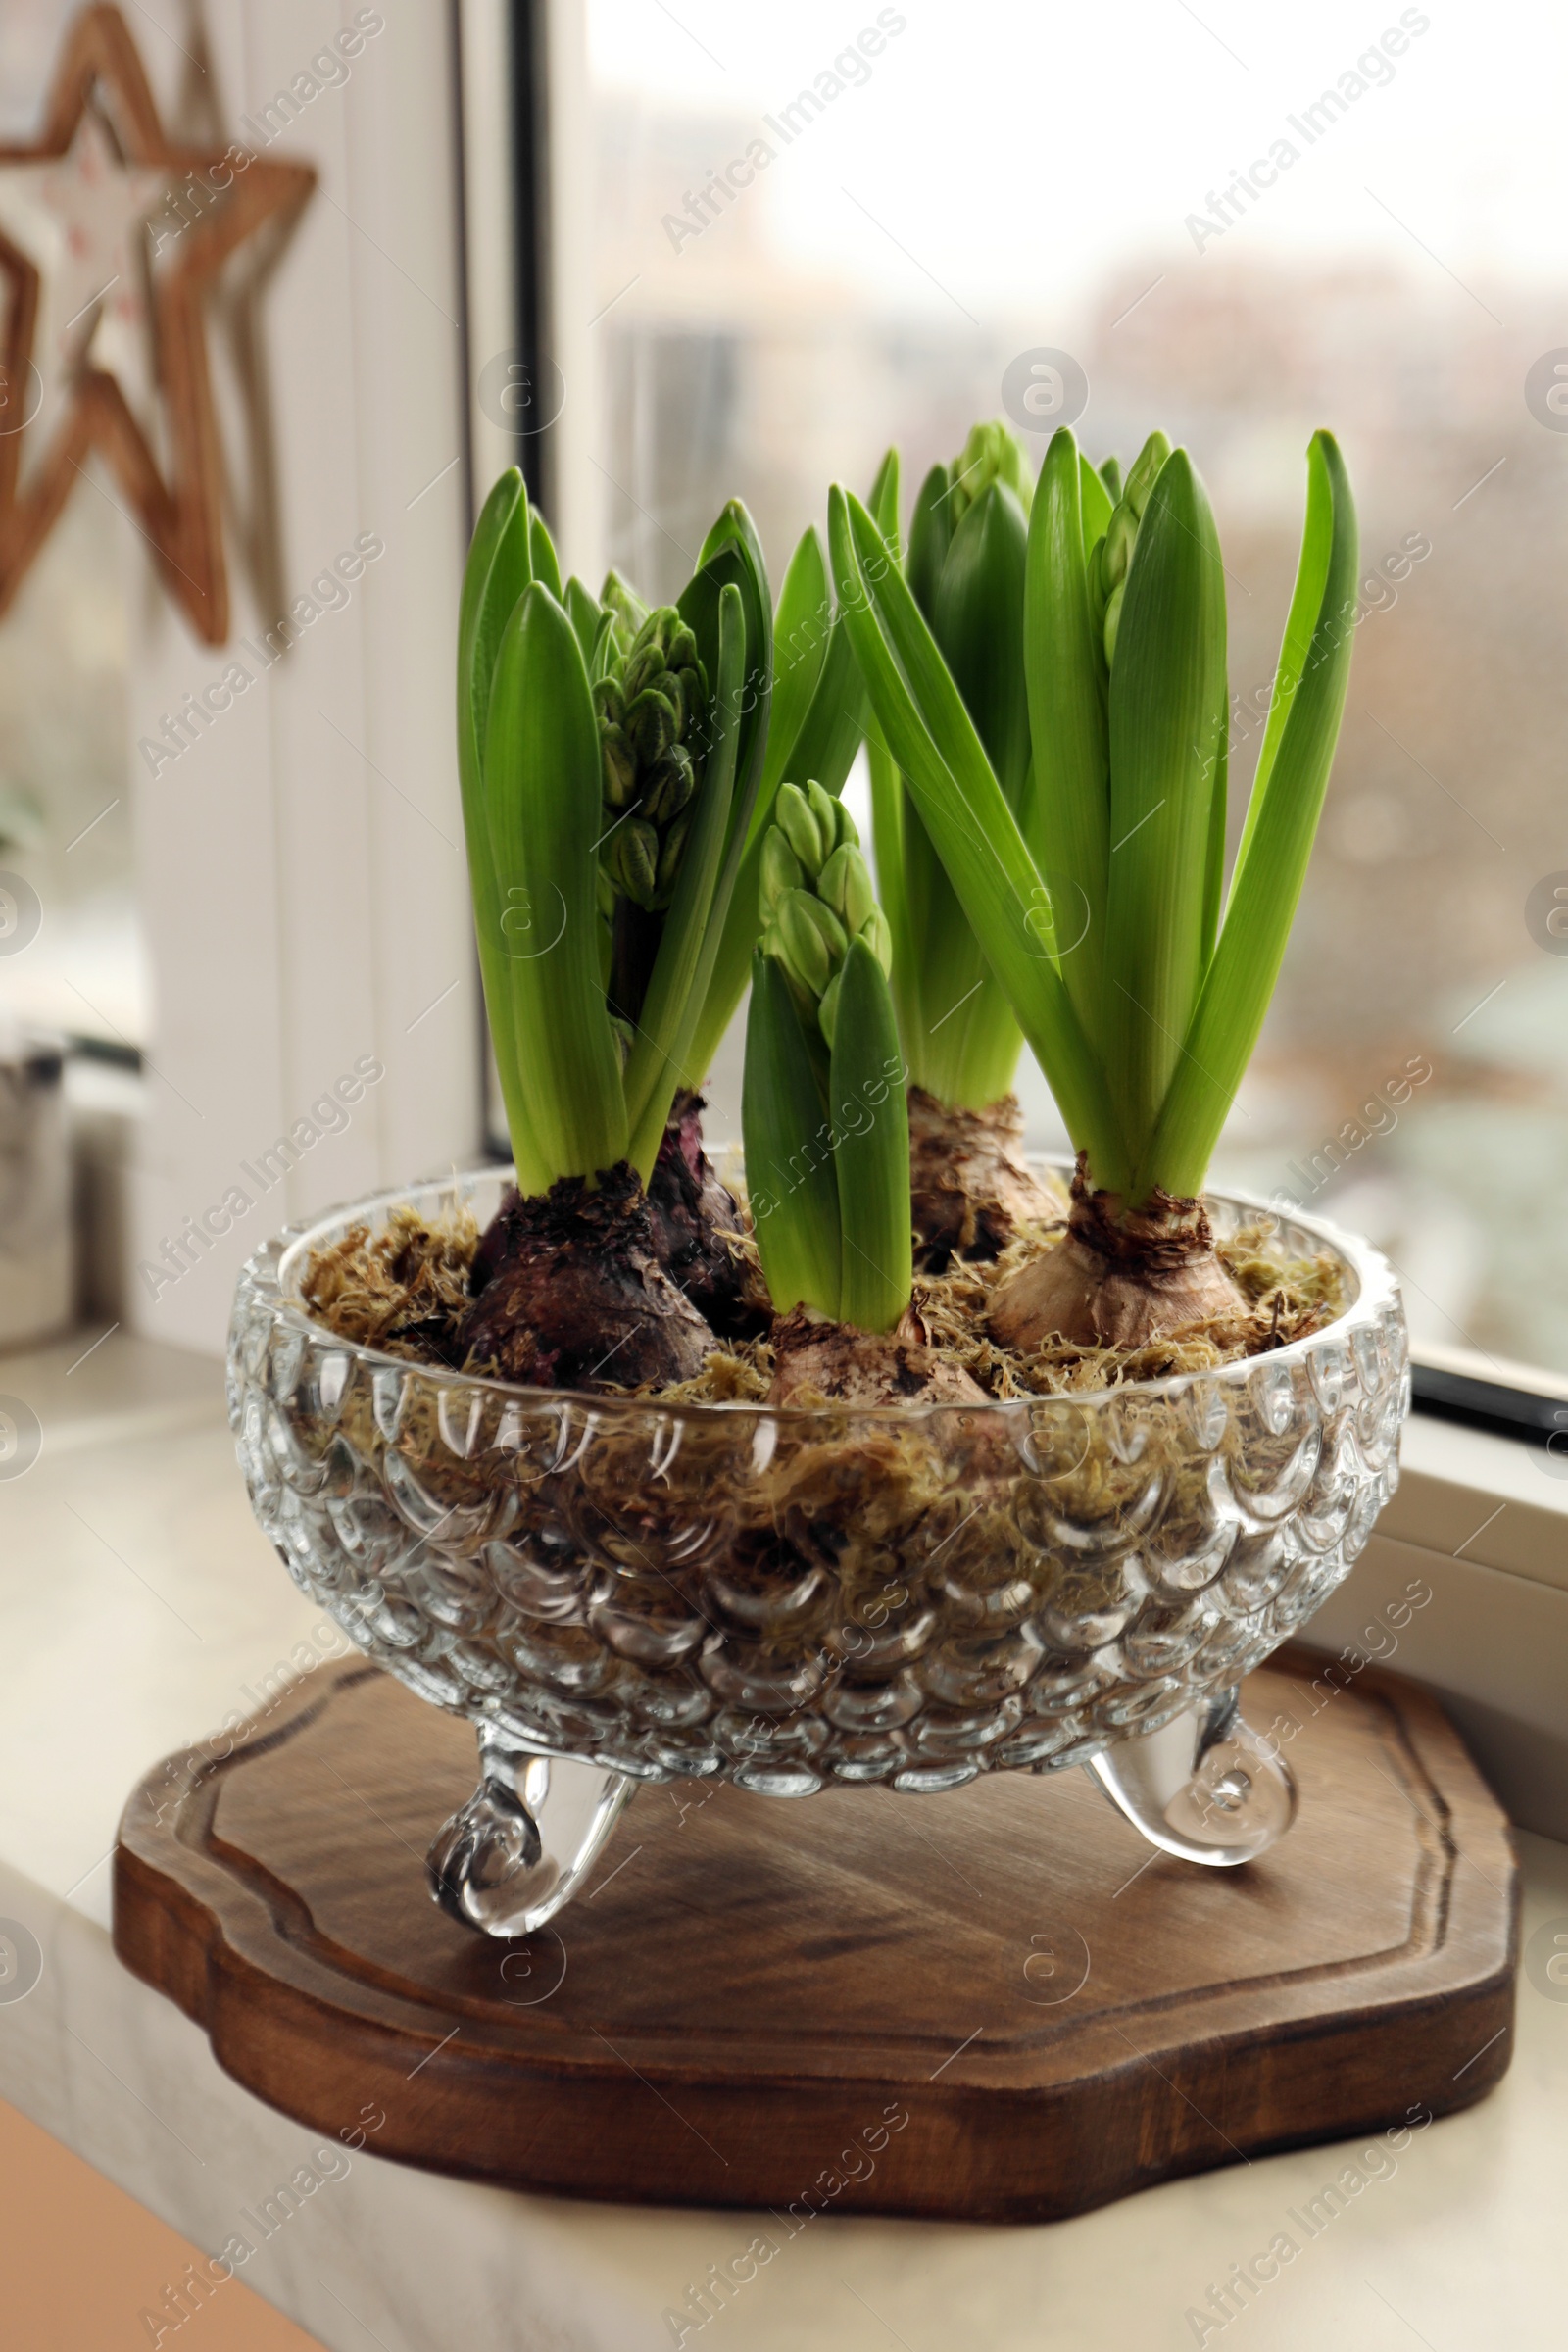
(110, 238)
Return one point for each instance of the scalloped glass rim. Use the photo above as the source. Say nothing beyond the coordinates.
(274, 1273)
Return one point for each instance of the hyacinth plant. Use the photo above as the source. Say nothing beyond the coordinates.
(608, 766)
(816, 727)
(619, 765)
(965, 570)
(1140, 981)
(610, 757)
(826, 1124)
(964, 563)
(827, 1138)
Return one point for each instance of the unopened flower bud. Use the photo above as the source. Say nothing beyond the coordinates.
(619, 767)
(781, 870)
(1113, 619)
(845, 882)
(634, 860)
(811, 939)
(991, 454)
(670, 786)
(824, 808)
(879, 937)
(649, 725)
(792, 812)
(1143, 475)
(1116, 547)
(627, 609)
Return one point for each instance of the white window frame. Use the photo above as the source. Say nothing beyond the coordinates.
(300, 876)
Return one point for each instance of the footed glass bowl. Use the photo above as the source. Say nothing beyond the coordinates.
(613, 1591)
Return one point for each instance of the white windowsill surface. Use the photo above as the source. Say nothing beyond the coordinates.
(142, 1603)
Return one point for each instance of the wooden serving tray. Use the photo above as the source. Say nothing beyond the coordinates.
(997, 2005)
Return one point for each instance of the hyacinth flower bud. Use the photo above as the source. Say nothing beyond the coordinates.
(811, 940)
(991, 454)
(1116, 547)
(845, 883)
(781, 870)
(1146, 472)
(643, 668)
(1111, 558)
(619, 767)
(825, 809)
(670, 786)
(626, 609)
(634, 860)
(794, 816)
(879, 937)
(649, 725)
(821, 1041)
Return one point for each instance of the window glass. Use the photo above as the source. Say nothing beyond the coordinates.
(69, 949)
(820, 230)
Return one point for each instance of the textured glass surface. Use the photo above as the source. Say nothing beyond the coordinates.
(788, 1597)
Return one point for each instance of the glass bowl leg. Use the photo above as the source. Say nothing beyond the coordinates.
(1204, 1787)
(518, 1850)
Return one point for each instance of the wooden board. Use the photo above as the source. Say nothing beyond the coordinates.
(996, 2004)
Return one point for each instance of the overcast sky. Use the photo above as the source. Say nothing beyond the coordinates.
(1014, 147)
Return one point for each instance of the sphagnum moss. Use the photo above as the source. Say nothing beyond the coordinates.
(405, 1290)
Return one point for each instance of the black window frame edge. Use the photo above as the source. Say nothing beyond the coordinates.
(1529, 1416)
(532, 453)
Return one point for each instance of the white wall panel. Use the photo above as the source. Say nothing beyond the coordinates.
(300, 866)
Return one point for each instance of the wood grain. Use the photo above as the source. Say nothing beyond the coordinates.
(753, 1993)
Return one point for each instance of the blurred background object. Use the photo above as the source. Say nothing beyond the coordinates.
(37, 1278)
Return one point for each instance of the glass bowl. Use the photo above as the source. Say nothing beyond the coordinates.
(615, 1591)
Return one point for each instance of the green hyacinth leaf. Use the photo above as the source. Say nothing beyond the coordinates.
(1281, 827)
(871, 1125)
(1167, 708)
(977, 620)
(930, 537)
(921, 718)
(791, 1179)
(542, 804)
(1069, 814)
(494, 578)
(542, 556)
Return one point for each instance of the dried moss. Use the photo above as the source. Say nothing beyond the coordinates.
(401, 1289)
(740, 1373)
(404, 1290)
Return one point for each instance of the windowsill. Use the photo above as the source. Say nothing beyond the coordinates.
(142, 1604)
(1517, 1496)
